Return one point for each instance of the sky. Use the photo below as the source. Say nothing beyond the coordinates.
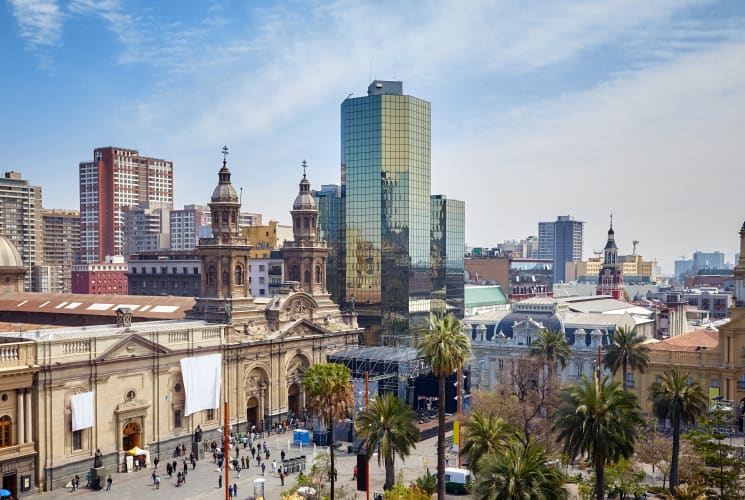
(539, 108)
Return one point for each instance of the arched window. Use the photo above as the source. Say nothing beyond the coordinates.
(232, 217)
(238, 275)
(318, 274)
(225, 217)
(6, 431)
(212, 276)
(307, 224)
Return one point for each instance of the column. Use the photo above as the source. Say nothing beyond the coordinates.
(21, 420)
(29, 425)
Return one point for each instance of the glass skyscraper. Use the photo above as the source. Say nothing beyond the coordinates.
(385, 173)
(447, 250)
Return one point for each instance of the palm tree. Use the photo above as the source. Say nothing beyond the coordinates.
(552, 346)
(601, 420)
(445, 348)
(627, 350)
(329, 388)
(519, 472)
(485, 436)
(682, 402)
(388, 427)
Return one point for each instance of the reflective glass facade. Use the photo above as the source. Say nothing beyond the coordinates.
(447, 248)
(330, 223)
(385, 151)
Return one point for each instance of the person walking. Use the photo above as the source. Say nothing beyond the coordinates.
(282, 478)
(230, 491)
(274, 466)
(219, 481)
(157, 481)
(155, 462)
(354, 474)
(263, 467)
(108, 483)
(282, 455)
(235, 490)
(153, 475)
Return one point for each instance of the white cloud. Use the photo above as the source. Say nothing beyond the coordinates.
(39, 21)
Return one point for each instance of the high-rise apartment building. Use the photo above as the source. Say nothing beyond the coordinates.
(562, 241)
(115, 179)
(385, 175)
(146, 228)
(188, 225)
(20, 219)
(61, 246)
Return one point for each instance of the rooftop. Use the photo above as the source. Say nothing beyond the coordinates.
(696, 340)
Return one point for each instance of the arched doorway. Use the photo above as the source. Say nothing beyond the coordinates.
(252, 412)
(130, 436)
(293, 400)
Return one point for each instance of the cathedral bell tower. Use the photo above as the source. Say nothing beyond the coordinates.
(305, 256)
(740, 272)
(610, 279)
(224, 292)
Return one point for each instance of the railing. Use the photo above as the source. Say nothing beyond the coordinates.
(698, 359)
(17, 354)
(18, 449)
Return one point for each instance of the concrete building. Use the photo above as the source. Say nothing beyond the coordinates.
(146, 228)
(106, 278)
(266, 275)
(164, 272)
(20, 219)
(188, 225)
(115, 179)
(562, 241)
(264, 239)
(61, 248)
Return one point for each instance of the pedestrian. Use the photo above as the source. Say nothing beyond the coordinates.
(193, 463)
(230, 491)
(238, 470)
(153, 475)
(258, 460)
(175, 465)
(169, 470)
(274, 466)
(219, 481)
(354, 474)
(282, 478)
(157, 481)
(155, 462)
(179, 480)
(235, 489)
(108, 483)
(282, 455)
(263, 467)
(253, 452)
(267, 454)
(186, 467)
(74, 484)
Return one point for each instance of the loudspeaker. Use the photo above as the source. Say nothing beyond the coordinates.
(361, 472)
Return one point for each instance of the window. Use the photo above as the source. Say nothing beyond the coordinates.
(261, 280)
(262, 292)
(177, 418)
(77, 440)
(210, 414)
(177, 387)
(212, 276)
(741, 381)
(225, 278)
(238, 275)
(261, 268)
(174, 270)
(318, 274)
(715, 383)
(6, 431)
(163, 270)
(196, 270)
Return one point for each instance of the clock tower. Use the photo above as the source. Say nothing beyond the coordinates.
(610, 278)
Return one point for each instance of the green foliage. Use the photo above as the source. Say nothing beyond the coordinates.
(552, 347)
(627, 350)
(427, 483)
(682, 402)
(621, 479)
(485, 436)
(401, 492)
(518, 472)
(387, 426)
(598, 419)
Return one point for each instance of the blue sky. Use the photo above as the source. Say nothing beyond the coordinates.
(538, 108)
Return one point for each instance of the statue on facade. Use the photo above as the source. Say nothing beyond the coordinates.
(228, 312)
(198, 434)
(98, 459)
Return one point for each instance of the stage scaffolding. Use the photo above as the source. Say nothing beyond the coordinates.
(393, 368)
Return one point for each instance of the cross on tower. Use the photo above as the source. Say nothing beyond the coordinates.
(611, 220)
(225, 154)
(305, 166)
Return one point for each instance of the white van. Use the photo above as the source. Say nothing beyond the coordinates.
(457, 480)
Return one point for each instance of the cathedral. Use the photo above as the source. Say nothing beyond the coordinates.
(75, 396)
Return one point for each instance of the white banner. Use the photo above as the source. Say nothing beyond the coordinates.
(82, 410)
(202, 378)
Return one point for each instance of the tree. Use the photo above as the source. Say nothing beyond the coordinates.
(329, 389)
(485, 436)
(519, 472)
(552, 347)
(427, 483)
(388, 427)
(445, 348)
(601, 420)
(674, 398)
(627, 350)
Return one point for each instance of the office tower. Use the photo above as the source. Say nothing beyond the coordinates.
(564, 238)
(185, 226)
(115, 179)
(385, 174)
(330, 223)
(146, 228)
(708, 260)
(61, 246)
(447, 254)
(20, 220)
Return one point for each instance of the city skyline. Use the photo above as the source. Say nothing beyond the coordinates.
(622, 107)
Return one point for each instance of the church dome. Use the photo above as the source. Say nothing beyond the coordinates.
(552, 321)
(9, 256)
(224, 192)
(304, 199)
